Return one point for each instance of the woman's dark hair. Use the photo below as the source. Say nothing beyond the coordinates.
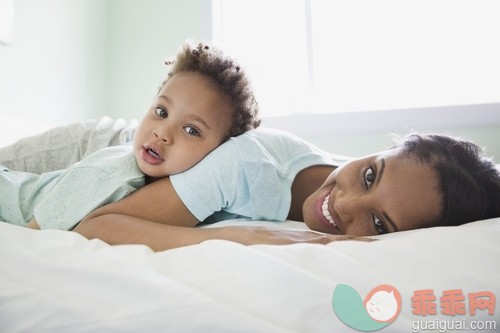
(469, 181)
(227, 75)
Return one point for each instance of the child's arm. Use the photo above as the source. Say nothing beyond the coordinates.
(157, 202)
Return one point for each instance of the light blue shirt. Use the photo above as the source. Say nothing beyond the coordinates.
(61, 199)
(249, 176)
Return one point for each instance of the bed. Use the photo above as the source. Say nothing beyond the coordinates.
(446, 279)
(58, 281)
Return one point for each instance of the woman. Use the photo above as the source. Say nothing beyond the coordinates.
(424, 181)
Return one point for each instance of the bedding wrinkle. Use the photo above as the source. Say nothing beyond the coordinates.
(63, 146)
(71, 279)
(226, 287)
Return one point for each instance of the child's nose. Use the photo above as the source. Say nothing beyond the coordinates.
(164, 135)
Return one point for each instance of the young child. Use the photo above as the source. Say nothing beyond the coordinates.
(206, 99)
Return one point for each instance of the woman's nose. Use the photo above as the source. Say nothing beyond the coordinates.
(351, 205)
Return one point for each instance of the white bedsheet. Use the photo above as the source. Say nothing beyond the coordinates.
(57, 281)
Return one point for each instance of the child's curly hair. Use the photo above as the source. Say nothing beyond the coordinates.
(228, 76)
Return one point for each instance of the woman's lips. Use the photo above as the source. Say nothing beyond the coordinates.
(324, 214)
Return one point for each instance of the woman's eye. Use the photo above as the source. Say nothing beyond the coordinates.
(379, 225)
(161, 112)
(192, 131)
(369, 177)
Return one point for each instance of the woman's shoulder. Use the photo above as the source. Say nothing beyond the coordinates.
(270, 139)
(283, 147)
(267, 133)
(258, 146)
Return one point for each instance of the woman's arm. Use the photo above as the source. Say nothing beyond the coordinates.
(157, 202)
(155, 216)
(121, 229)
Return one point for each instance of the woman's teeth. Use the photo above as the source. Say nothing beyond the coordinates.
(326, 212)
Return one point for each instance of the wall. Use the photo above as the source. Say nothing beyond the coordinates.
(141, 35)
(50, 73)
(362, 133)
(81, 59)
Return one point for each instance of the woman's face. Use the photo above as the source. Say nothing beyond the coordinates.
(380, 193)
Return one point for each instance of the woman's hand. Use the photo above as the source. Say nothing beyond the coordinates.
(276, 236)
(123, 229)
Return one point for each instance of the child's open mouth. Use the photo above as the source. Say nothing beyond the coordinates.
(151, 156)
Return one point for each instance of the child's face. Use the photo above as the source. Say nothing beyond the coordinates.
(380, 193)
(189, 118)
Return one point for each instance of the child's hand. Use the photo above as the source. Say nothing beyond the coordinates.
(33, 224)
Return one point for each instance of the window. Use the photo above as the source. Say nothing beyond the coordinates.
(337, 56)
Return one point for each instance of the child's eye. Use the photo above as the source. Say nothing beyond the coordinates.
(192, 131)
(379, 225)
(369, 177)
(161, 112)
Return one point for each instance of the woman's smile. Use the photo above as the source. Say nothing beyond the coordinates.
(324, 214)
(326, 211)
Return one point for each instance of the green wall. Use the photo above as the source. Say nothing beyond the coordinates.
(141, 34)
(81, 59)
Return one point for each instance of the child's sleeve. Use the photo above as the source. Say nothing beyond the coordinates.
(85, 187)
